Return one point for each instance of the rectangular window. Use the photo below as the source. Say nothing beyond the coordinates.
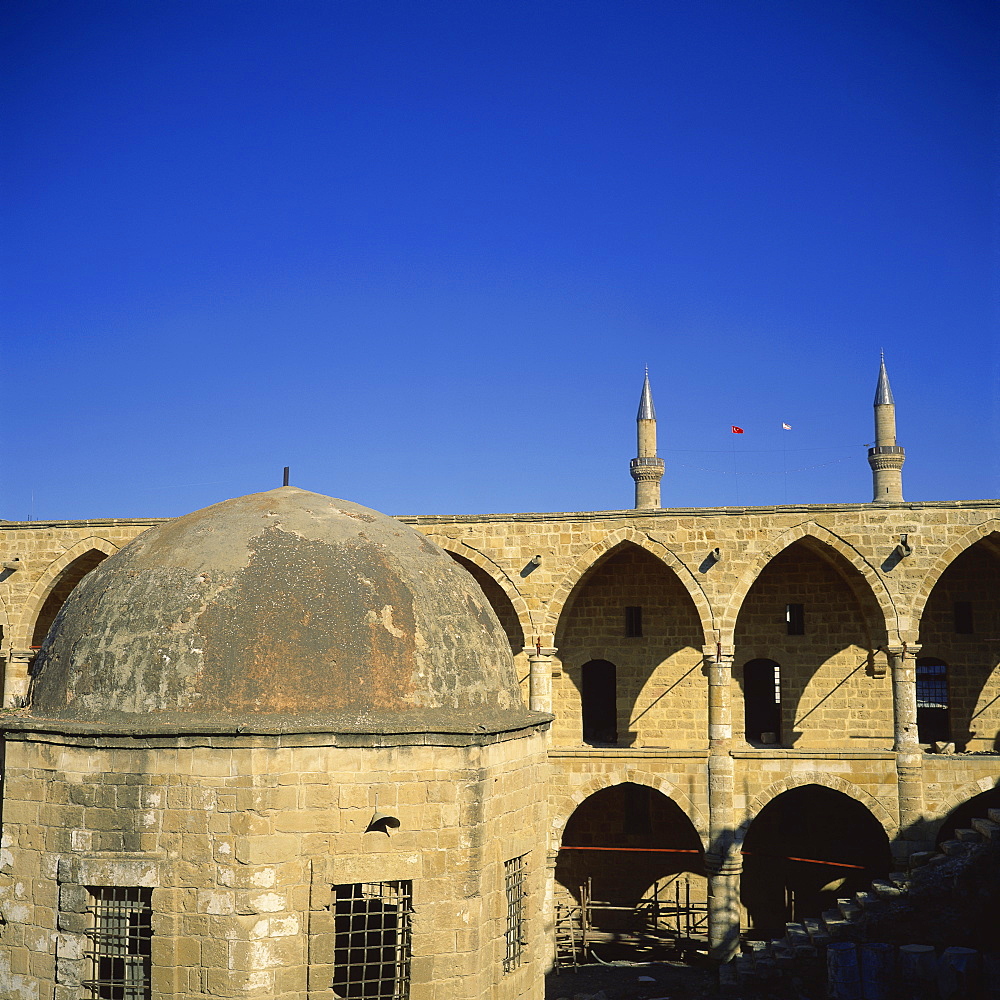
(513, 881)
(933, 723)
(633, 622)
(120, 937)
(932, 684)
(963, 617)
(371, 947)
(795, 618)
(637, 817)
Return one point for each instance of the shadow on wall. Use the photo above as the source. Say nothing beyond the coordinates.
(807, 848)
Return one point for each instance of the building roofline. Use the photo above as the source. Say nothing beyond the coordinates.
(587, 515)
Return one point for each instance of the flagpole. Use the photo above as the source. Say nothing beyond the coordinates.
(736, 474)
(784, 462)
(784, 455)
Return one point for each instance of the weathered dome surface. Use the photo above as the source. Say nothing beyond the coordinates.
(284, 609)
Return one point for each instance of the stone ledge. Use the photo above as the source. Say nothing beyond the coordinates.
(788, 754)
(625, 752)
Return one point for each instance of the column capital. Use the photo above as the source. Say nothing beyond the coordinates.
(898, 651)
(727, 864)
(542, 652)
(718, 652)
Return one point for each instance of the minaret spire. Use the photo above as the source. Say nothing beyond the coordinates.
(646, 467)
(886, 458)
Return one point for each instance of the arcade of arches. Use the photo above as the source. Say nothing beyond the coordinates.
(712, 673)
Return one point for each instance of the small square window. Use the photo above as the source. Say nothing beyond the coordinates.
(514, 889)
(637, 816)
(633, 622)
(120, 943)
(795, 618)
(963, 617)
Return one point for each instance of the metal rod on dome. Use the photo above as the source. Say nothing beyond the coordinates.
(285, 480)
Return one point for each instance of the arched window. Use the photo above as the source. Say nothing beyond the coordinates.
(599, 702)
(933, 722)
(762, 701)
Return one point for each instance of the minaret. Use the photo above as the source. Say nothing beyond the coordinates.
(886, 459)
(646, 468)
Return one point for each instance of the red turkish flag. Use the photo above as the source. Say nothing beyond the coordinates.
(737, 430)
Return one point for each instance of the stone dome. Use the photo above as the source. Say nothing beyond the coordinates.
(277, 611)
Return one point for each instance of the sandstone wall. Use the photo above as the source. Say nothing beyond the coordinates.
(241, 841)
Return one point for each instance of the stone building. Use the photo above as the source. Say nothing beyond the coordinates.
(275, 748)
(772, 704)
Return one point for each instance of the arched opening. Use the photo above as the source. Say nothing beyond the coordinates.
(961, 817)
(807, 848)
(599, 702)
(499, 601)
(627, 851)
(64, 585)
(631, 609)
(933, 722)
(811, 611)
(762, 701)
(960, 627)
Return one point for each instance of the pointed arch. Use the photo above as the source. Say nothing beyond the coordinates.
(960, 797)
(613, 540)
(462, 551)
(872, 804)
(988, 531)
(823, 542)
(91, 549)
(562, 809)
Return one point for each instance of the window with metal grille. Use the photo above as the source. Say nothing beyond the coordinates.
(795, 618)
(963, 617)
(633, 622)
(933, 722)
(120, 939)
(371, 949)
(513, 881)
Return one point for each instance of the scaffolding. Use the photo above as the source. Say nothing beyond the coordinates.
(668, 921)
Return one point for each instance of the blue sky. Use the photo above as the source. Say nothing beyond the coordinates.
(421, 251)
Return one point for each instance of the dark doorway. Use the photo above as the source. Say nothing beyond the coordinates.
(807, 848)
(599, 702)
(762, 700)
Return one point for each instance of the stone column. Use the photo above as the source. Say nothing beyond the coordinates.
(909, 755)
(540, 678)
(723, 862)
(17, 671)
(549, 910)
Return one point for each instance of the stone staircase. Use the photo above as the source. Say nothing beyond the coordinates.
(799, 953)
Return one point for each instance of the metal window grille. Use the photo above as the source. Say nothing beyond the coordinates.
(932, 685)
(633, 622)
(513, 879)
(372, 940)
(120, 939)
